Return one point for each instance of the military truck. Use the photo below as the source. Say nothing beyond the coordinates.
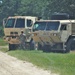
(13, 27)
(55, 35)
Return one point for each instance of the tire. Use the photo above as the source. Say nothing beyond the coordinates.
(40, 46)
(32, 45)
(70, 45)
(47, 48)
(12, 46)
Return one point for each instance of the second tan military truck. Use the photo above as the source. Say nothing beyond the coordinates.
(55, 35)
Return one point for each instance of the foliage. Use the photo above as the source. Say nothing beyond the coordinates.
(1, 31)
(40, 8)
(2, 42)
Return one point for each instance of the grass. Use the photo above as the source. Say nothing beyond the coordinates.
(56, 62)
(63, 64)
(2, 42)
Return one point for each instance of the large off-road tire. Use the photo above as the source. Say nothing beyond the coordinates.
(32, 45)
(70, 45)
(12, 46)
(40, 47)
(46, 48)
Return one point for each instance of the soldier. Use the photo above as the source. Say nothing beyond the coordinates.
(22, 40)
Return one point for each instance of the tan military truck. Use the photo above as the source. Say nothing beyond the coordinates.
(13, 27)
(55, 35)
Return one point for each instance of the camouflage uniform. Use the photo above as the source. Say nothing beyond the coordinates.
(22, 40)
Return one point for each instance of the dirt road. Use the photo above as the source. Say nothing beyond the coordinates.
(12, 66)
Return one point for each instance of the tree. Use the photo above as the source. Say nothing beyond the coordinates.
(43, 8)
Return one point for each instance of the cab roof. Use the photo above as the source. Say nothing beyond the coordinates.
(22, 17)
(61, 21)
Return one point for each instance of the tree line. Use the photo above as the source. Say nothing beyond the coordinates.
(40, 8)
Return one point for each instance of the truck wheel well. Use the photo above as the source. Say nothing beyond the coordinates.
(70, 45)
(70, 37)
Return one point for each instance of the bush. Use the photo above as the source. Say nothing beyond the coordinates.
(1, 31)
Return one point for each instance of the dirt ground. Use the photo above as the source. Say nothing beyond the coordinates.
(12, 66)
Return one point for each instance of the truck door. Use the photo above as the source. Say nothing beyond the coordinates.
(29, 22)
(64, 32)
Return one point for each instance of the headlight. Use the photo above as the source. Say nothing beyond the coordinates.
(54, 34)
(35, 34)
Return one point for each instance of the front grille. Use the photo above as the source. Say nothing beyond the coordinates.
(13, 32)
(13, 36)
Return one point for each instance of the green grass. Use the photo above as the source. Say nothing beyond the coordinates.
(4, 50)
(2, 42)
(64, 64)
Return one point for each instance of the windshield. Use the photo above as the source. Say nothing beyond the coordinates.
(20, 23)
(39, 26)
(10, 23)
(46, 26)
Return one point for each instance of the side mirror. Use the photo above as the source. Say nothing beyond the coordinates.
(4, 22)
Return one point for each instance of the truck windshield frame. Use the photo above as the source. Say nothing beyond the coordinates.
(10, 23)
(48, 26)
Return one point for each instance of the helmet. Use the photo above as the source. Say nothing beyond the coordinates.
(22, 31)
